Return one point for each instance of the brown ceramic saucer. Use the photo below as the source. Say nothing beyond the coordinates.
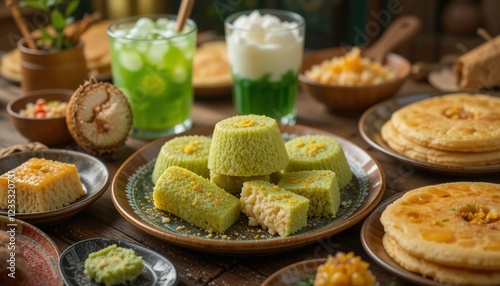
(132, 192)
(371, 239)
(295, 273)
(372, 120)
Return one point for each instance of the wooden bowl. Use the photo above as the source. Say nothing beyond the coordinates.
(49, 131)
(346, 99)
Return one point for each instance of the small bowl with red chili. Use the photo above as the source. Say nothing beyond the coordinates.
(40, 116)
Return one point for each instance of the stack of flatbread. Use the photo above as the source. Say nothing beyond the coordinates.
(454, 130)
(96, 50)
(211, 65)
(450, 232)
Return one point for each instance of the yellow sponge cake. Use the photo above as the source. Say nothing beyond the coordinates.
(41, 185)
(273, 208)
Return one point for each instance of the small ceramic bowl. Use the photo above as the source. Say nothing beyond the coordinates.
(346, 99)
(294, 274)
(49, 131)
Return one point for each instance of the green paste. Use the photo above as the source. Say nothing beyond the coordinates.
(113, 265)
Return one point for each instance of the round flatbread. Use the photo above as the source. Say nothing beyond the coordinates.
(96, 41)
(453, 224)
(415, 151)
(211, 66)
(441, 273)
(10, 67)
(456, 122)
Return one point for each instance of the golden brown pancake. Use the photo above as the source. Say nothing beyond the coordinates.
(453, 224)
(415, 151)
(456, 122)
(441, 273)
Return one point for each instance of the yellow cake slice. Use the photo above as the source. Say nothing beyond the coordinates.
(195, 200)
(273, 208)
(41, 185)
(247, 145)
(320, 187)
(233, 184)
(318, 152)
(190, 152)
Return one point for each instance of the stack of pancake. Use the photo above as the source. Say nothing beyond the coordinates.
(450, 232)
(211, 66)
(455, 130)
(96, 50)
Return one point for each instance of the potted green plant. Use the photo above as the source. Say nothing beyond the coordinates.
(53, 59)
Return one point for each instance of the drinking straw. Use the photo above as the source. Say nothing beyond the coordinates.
(21, 24)
(184, 12)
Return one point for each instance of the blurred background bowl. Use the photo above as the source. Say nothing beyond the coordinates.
(347, 99)
(49, 131)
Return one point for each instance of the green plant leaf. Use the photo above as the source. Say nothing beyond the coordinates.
(33, 3)
(45, 33)
(67, 43)
(70, 20)
(71, 8)
(47, 38)
(52, 3)
(57, 20)
(58, 45)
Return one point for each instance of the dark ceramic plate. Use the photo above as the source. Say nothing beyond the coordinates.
(374, 118)
(157, 269)
(93, 174)
(40, 253)
(295, 273)
(132, 195)
(372, 232)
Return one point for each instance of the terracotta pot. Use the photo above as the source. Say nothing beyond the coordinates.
(41, 69)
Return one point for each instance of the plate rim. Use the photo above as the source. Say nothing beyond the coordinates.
(247, 247)
(368, 225)
(129, 244)
(396, 102)
(44, 235)
(278, 273)
(72, 208)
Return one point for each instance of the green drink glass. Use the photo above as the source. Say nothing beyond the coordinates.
(152, 64)
(265, 50)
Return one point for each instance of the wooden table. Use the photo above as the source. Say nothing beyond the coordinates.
(101, 219)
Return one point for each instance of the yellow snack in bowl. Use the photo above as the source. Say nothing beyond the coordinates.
(344, 269)
(350, 70)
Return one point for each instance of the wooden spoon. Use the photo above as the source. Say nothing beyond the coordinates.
(400, 31)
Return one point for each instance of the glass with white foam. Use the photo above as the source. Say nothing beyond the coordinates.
(265, 50)
(152, 64)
